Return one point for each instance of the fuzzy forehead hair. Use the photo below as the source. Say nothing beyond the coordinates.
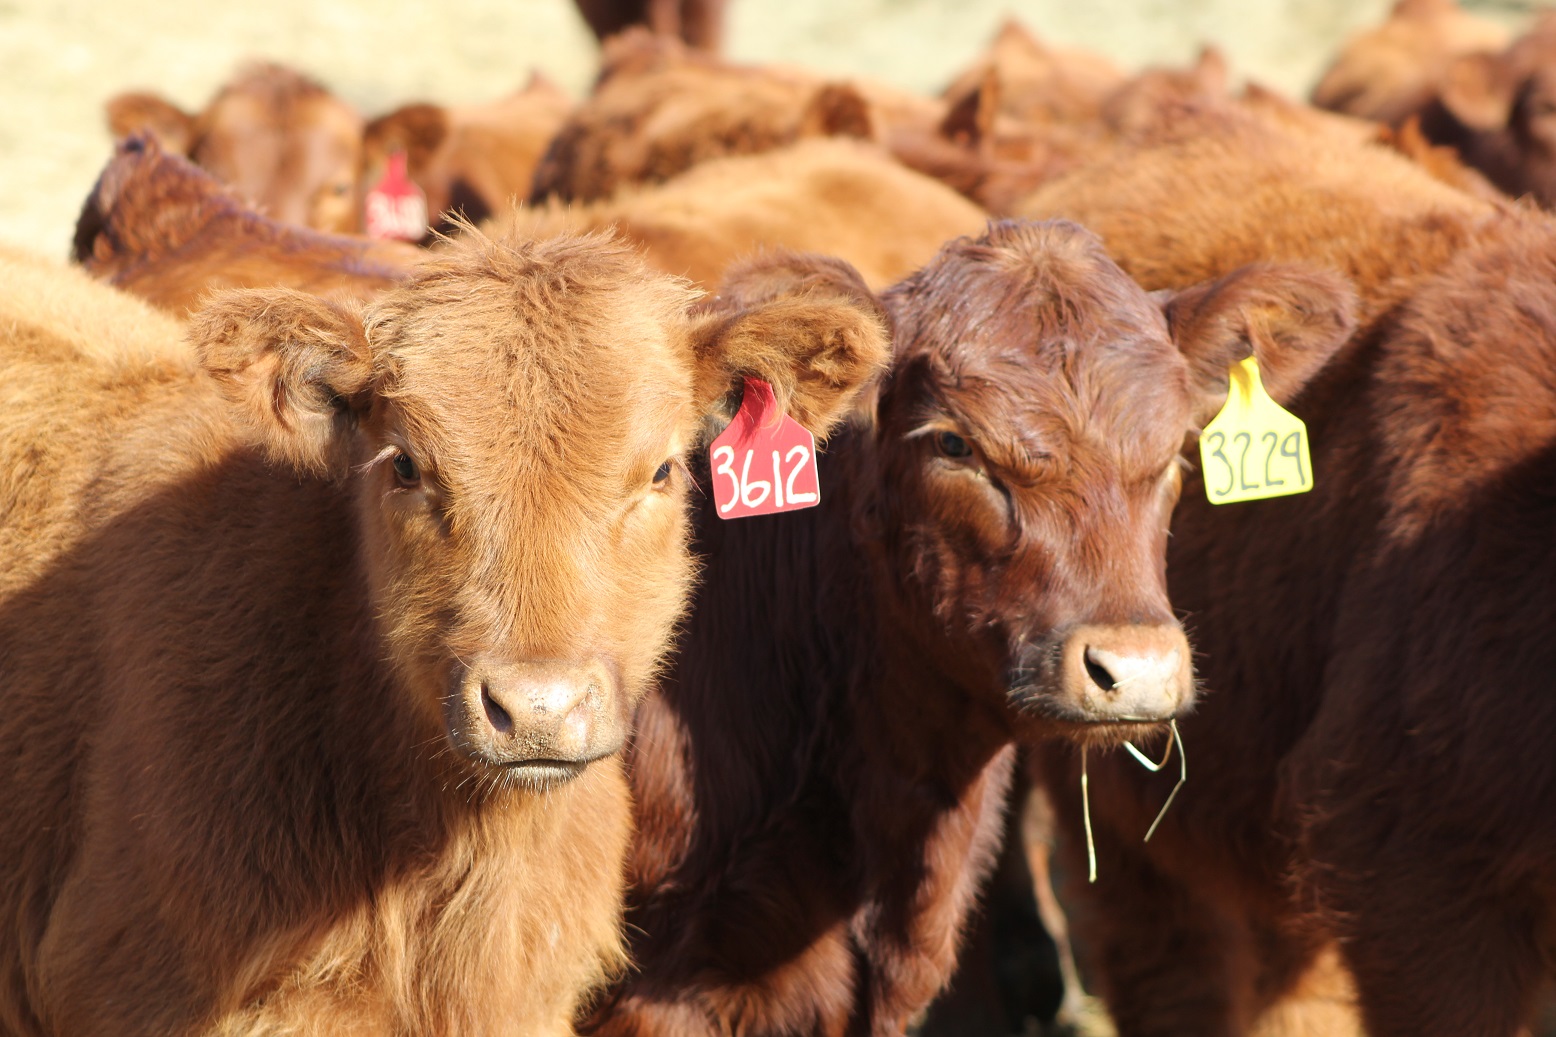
(506, 352)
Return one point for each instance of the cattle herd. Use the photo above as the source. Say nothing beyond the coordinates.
(374, 657)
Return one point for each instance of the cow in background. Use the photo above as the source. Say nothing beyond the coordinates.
(159, 227)
(283, 141)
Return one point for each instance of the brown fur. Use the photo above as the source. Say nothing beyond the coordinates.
(806, 862)
(158, 227)
(1499, 111)
(833, 196)
(232, 633)
(472, 160)
(698, 23)
(1376, 652)
(659, 109)
(1393, 71)
(281, 140)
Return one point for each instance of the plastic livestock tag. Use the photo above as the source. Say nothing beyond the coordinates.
(395, 206)
(765, 462)
(1254, 448)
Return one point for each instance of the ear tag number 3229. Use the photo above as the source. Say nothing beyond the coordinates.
(765, 462)
(1254, 448)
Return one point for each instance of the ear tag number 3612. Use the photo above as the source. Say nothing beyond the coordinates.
(765, 462)
(1254, 448)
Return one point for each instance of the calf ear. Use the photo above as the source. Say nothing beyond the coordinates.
(148, 113)
(837, 110)
(297, 369)
(1291, 318)
(806, 324)
(416, 129)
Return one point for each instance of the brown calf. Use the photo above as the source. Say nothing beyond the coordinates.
(158, 227)
(318, 639)
(470, 160)
(986, 563)
(1377, 651)
(1395, 70)
(1499, 111)
(280, 139)
(840, 197)
(658, 109)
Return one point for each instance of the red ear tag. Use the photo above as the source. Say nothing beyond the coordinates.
(395, 207)
(765, 462)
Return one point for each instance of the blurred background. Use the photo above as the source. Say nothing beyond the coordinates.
(60, 59)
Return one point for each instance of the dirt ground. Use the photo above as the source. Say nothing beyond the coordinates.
(60, 59)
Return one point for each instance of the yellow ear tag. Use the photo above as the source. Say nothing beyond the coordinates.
(1254, 448)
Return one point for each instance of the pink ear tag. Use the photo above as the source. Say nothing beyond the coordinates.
(395, 207)
(765, 462)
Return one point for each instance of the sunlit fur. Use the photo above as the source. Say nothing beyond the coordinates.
(159, 227)
(280, 139)
(839, 197)
(1377, 653)
(227, 630)
(807, 858)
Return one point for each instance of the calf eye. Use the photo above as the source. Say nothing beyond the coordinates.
(663, 473)
(951, 445)
(406, 469)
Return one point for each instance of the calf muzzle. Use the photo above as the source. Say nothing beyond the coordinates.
(544, 719)
(1108, 674)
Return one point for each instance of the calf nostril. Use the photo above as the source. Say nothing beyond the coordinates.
(495, 714)
(1099, 673)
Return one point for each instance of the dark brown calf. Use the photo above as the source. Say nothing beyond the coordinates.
(318, 639)
(986, 564)
(1376, 653)
(158, 227)
(281, 140)
(698, 23)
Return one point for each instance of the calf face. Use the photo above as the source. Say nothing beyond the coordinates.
(511, 423)
(1028, 446)
(287, 144)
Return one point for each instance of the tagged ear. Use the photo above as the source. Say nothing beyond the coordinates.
(806, 324)
(837, 110)
(133, 113)
(1478, 91)
(297, 368)
(1292, 318)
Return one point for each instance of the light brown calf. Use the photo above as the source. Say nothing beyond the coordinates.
(473, 159)
(280, 139)
(840, 197)
(161, 228)
(318, 638)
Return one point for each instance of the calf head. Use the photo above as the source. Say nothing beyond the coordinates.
(1027, 448)
(1501, 112)
(283, 141)
(510, 424)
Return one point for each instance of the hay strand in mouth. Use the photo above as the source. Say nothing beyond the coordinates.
(1173, 739)
(1091, 844)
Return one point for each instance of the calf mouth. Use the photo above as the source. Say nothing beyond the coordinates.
(542, 774)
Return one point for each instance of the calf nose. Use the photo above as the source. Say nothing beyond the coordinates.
(542, 715)
(1128, 672)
